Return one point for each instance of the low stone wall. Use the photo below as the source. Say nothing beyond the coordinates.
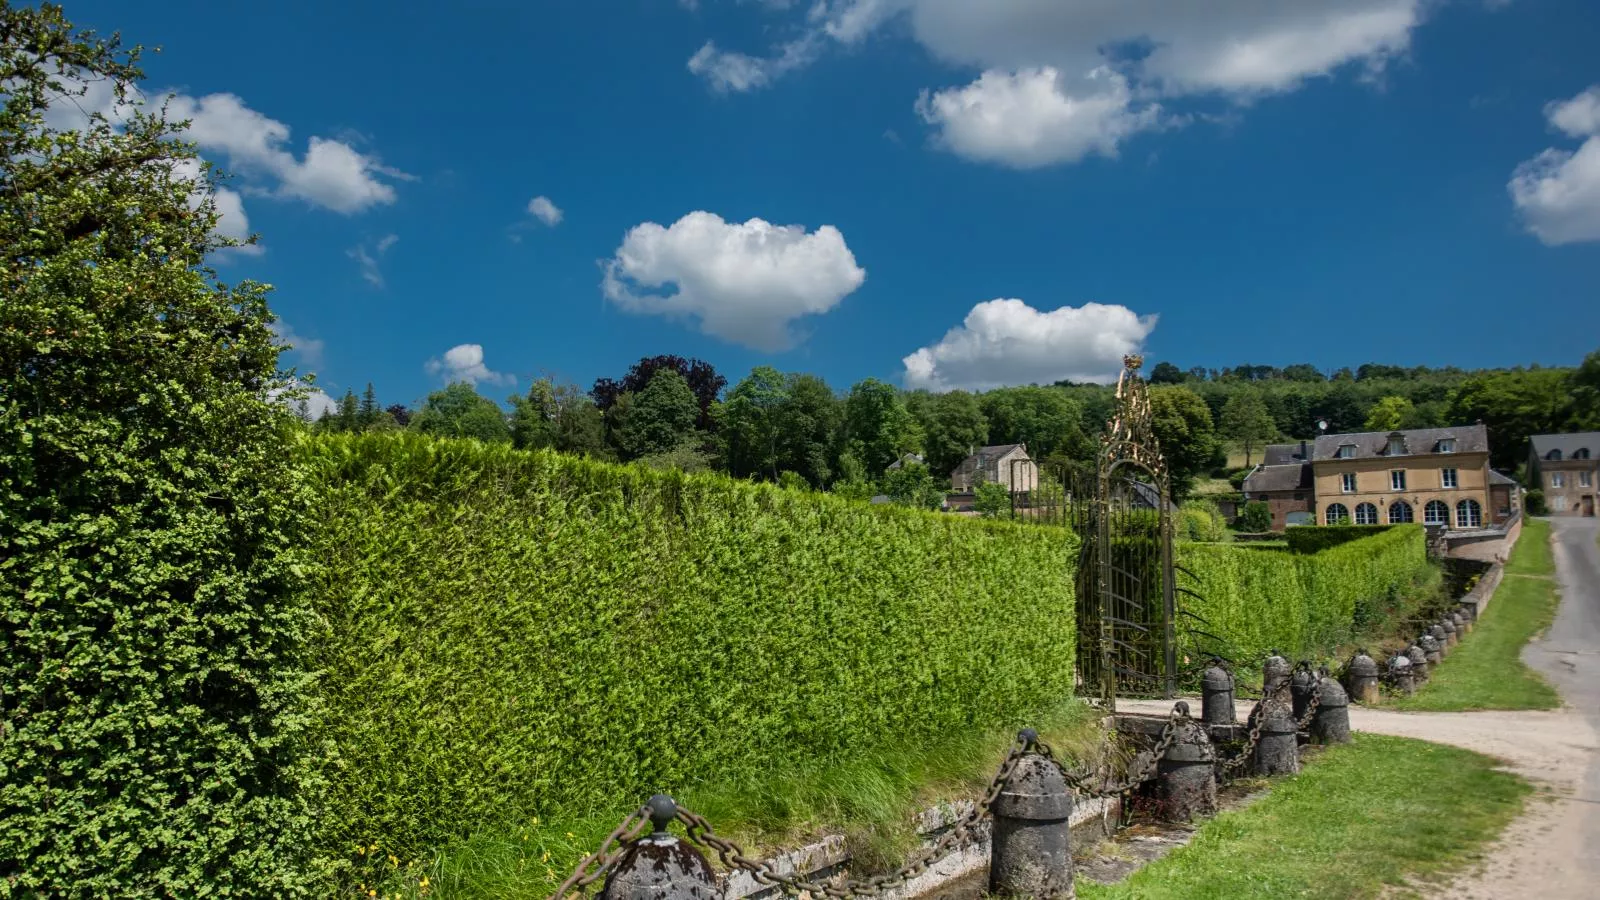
(1487, 546)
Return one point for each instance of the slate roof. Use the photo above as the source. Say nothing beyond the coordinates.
(1419, 441)
(1283, 454)
(984, 458)
(1497, 478)
(1566, 443)
(1296, 477)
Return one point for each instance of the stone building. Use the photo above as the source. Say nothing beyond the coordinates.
(1286, 489)
(1567, 468)
(1436, 476)
(1007, 464)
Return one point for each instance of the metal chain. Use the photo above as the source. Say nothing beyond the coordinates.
(595, 866)
(1238, 762)
(1311, 707)
(733, 856)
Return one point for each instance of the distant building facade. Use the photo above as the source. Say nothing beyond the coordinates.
(1433, 476)
(1566, 467)
(1007, 464)
(1286, 489)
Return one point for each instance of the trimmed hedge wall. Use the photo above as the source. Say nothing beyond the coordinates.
(509, 634)
(1259, 598)
(1316, 538)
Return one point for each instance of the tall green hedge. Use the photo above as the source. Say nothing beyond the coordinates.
(509, 633)
(1255, 599)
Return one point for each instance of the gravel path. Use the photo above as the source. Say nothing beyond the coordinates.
(1553, 850)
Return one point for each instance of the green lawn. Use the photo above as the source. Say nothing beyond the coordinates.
(1373, 818)
(1486, 671)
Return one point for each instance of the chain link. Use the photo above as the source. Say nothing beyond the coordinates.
(595, 866)
(1311, 707)
(1255, 720)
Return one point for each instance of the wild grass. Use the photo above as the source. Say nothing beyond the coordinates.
(1485, 670)
(1375, 818)
(872, 801)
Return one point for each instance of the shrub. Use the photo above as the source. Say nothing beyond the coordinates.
(1254, 599)
(1201, 520)
(992, 500)
(1534, 502)
(1236, 477)
(151, 704)
(513, 633)
(1315, 540)
(1256, 517)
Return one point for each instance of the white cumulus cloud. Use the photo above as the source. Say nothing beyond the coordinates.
(1036, 117)
(464, 362)
(308, 350)
(1008, 342)
(545, 211)
(744, 282)
(312, 403)
(1557, 193)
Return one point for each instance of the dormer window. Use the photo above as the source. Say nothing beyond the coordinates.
(1347, 451)
(1397, 445)
(1581, 453)
(1553, 456)
(1447, 445)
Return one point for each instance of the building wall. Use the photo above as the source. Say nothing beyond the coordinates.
(1569, 498)
(1283, 503)
(1424, 483)
(1017, 472)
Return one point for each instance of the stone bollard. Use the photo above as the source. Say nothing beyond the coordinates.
(1331, 722)
(1400, 674)
(1432, 649)
(1301, 687)
(1463, 624)
(1187, 775)
(1450, 637)
(1469, 611)
(1216, 696)
(1361, 678)
(1274, 674)
(1419, 663)
(1278, 749)
(658, 866)
(1031, 850)
(1436, 631)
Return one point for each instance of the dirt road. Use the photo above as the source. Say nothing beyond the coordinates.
(1553, 850)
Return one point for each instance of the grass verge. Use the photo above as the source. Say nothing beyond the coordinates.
(871, 801)
(1485, 671)
(1365, 819)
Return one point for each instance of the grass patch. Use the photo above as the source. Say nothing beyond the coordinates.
(1485, 671)
(871, 800)
(1362, 820)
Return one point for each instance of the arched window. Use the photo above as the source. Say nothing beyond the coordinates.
(1581, 453)
(1469, 514)
(1553, 456)
(1437, 512)
(1336, 514)
(1366, 514)
(1400, 513)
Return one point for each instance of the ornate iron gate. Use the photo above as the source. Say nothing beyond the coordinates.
(1122, 511)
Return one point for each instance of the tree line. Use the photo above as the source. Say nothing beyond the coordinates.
(794, 428)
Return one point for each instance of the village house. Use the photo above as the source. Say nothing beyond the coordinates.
(1567, 468)
(1286, 489)
(1007, 464)
(1436, 476)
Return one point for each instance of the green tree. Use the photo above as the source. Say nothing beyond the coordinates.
(153, 710)
(913, 485)
(809, 422)
(1245, 419)
(1044, 418)
(661, 417)
(460, 411)
(1389, 414)
(878, 427)
(1515, 405)
(952, 425)
(1255, 518)
(750, 424)
(367, 416)
(1182, 425)
(533, 416)
(1166, 373)
(1585, 392)
(992, 500)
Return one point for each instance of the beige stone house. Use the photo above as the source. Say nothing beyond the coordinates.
(1435, 476)
(1007, 464)
(1567, 468)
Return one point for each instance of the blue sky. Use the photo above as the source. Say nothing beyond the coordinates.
(1404, 181)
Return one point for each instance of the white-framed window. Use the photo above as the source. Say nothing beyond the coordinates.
(1400, 513)
(1347, 482)
(1397, 446)
(1469, 514)
(1448, 445)
(1366, 514)
(1558, 503)
(1585, 479)
(1336, 513)
(1397, 480)
(1437, 512)
(1558, 479)
(1347, 451)
(1448, 479)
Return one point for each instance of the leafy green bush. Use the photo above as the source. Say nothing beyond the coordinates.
(1201, 520)
(1254, 599)
(152, 707)
(992, 500)
(1535, 503)
(510, 633)
(1315, 540)
(1255, 518)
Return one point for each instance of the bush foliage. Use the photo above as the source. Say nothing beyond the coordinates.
(1307, 539)
(1256, 599)
(510, 633)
